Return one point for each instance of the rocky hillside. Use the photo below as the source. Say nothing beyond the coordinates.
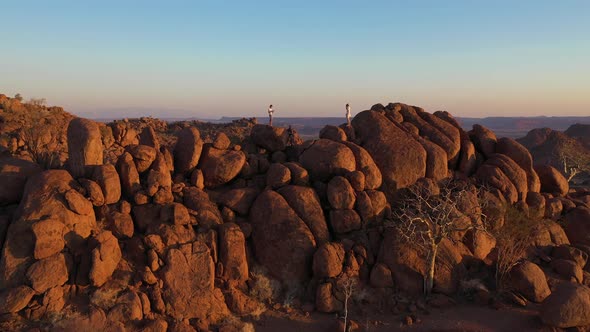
(149, 232)
(568, 151)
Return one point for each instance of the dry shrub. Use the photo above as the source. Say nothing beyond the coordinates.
(42, 140)
(513, 241)
(105, 297)
(263, 288)
(234, 323)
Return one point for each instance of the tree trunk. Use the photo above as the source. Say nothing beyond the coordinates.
(429, 279)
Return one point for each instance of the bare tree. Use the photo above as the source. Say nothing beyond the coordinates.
(38, 102)
(348, 286)
(425, 217)
(573, 160)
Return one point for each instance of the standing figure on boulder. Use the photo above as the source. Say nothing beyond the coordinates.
(348, 114)
(270, 112)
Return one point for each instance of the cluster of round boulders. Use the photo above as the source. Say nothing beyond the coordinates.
(152, 232)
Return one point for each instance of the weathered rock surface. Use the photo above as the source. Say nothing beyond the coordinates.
(493, 176)
(333, 133)
(366, 164)
(328, 260)
(417, 118)
(299, 175)
(149, 137)
(513, 172)
(48, 273)
(400, 158)
(78, 203)
(282, 241)
(484, 140)
(221, 166)
(108, 179)
(568, 306)
(49, 238)
(232, 252)
(522, 157)
(221, 141)
(528, 279)
(306, 204)
(340, 193)
(188, 284)
(207, 212)
(278, 175)
(552, 181)
(129, 176)
(105, 255)
(271, 138)
(344, 221)
(187, 151)
(143, 156)
(84, 146)
(239, 200)
(325, 158)
(381, 276)
(43, 197)
(15, 299)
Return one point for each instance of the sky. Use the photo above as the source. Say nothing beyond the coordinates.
(218, 58)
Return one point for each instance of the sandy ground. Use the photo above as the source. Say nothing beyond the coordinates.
(458, 318)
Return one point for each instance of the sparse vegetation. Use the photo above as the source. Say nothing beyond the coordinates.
(573, 160)
(264, 288)
(424, 218)
(37, 102)
(512, 242)
(348, 286)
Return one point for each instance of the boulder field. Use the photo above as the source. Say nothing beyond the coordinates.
(150, 235)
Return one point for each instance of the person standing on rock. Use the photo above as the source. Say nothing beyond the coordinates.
(270, 112)
(348, 114)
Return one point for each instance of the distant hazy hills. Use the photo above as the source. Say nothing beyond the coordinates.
(519, 126)
(310, 126)
(503, 126)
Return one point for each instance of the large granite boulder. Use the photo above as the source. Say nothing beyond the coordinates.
(282, 241)
(187, 151)
(84, 146)
(27, 237)
(221, 166)
(188, 280)
(400, 158)
(325, 158)
(552, 181)
(568, 306)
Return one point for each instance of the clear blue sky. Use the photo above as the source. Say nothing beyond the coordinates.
(214, 58)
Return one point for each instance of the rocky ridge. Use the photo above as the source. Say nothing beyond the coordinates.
(137, 230)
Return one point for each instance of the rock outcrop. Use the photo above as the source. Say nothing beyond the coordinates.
(189, 225)
(282, 241)
(84, 146)
(401, 163)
